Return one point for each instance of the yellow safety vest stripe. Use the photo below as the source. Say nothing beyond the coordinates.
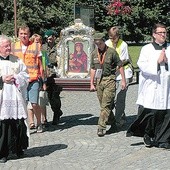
(118, 48)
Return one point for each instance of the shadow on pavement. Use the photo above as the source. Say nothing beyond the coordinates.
(129, 121)
(44, 150)
(137, 144)
(67, 122)
(38, 151)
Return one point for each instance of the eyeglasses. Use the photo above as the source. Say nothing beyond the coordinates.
(159, 33)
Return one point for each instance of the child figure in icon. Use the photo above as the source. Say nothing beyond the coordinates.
(78, 60)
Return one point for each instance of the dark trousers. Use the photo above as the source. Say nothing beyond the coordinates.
(13, 136)
(54, 91)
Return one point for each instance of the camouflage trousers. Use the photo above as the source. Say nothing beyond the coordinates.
(106, 90)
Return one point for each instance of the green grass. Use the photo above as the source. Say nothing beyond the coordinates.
(134, 51)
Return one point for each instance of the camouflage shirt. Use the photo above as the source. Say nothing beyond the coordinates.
(110, 64)
(51, 52)
(52, 57)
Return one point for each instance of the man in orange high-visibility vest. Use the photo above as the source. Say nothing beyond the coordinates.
(30, 53)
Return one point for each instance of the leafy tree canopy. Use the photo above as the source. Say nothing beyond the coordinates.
(41, 15)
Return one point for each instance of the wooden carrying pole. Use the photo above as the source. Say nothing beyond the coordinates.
(15, 17)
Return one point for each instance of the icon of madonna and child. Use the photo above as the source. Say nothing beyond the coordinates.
(78, 60)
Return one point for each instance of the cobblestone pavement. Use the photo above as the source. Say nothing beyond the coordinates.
(74, 144)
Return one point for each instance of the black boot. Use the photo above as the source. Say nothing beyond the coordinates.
(56, 119)
(147, 140)
(113, 129)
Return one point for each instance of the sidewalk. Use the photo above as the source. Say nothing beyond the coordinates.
(74, 144)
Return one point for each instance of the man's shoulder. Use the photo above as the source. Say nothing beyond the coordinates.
(47, 48)
(44, 46)
(13, 57)
(107, 42)
(111, 50)
(168, 44)
(148, 45)
(122, 43)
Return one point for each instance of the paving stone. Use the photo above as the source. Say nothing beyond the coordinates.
(74, 144)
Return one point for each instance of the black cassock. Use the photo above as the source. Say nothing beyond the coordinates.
(154, 123)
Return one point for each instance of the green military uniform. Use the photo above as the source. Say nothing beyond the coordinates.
(106, 86)
(53, 90)
(52, 57)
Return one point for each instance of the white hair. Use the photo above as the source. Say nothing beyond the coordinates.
(4, 38)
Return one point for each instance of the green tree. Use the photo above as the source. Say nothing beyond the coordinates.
(41, 15)
(137, 25)
(6, 17)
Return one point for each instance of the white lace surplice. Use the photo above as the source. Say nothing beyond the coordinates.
(13, 96)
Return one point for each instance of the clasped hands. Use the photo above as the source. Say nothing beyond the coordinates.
(9, 79)
(162, 57)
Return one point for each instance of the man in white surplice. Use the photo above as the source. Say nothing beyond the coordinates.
(154, 85)
(13, 112)
(153, 121)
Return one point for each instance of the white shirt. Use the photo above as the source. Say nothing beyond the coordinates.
(154, 84)
(124, 55)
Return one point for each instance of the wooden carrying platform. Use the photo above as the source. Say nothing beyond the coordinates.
(83, 84)
(74, 84)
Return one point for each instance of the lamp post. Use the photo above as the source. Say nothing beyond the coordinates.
(15, 17)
